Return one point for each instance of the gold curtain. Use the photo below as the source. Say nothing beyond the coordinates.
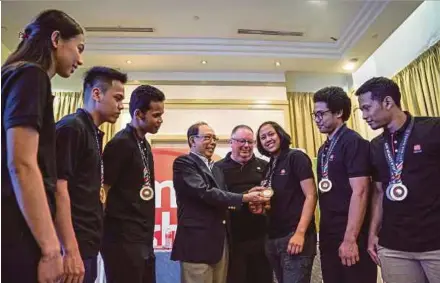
(109, 131)
(67, 102)
(419, 84)
(304, 132)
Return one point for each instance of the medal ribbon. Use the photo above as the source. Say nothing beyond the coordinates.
(324, 161)
(146, 172)
(100, 158)
(396, 165)
(267, 182)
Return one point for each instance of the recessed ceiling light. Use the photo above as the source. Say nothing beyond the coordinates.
(350, 65)
(277, 63)
(204, 62)
(128, 62)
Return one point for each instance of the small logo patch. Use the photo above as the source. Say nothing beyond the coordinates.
(417, 148)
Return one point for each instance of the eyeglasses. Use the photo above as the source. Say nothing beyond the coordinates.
(243, 141)
(207, 137)
(319, 115)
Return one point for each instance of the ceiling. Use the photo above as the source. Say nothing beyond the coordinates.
(188, 32)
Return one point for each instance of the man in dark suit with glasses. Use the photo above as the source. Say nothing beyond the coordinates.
(201, 243)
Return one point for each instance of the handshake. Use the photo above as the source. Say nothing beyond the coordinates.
(258, 199)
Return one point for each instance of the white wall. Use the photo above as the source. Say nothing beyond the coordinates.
(312, 82)
(420, 31)
(221, 117)
(217, 92)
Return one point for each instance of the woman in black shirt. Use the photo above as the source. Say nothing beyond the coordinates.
(51, 44)
(291, 244)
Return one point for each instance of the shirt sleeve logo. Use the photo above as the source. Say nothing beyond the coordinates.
(417, 148)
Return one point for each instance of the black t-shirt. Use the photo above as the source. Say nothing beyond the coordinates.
(128, 217)
(78, 162)
(245, 226)
(27, 101)
(412, 224)
(350, 158)
(292, 167)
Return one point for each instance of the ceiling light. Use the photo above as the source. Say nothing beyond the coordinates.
(277, 63)
(128, 62)
(204, 62)
(350, 65)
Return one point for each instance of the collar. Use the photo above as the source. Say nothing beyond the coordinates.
(204, 159)
(89, 121)
(228, 158)
(402, 129)
(336, 131)
(132, 130)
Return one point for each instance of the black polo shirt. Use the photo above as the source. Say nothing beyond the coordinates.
(350, 158)
(27, 101)
(78, 162)
(245, 226)
(128, 217)
(412, 224)
(292, 167)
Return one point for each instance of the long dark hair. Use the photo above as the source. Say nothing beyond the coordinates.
(285, 139)
(36, 44)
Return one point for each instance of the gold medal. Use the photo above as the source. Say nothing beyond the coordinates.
(146, 193)
(268, 192)
(102, 195)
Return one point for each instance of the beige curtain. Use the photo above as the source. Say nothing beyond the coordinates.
(304, 132)
(67, 102)
(419, 84)
(109, 131)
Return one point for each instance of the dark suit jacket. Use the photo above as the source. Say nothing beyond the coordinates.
(202, 207)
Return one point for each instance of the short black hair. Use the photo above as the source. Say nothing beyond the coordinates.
(285, 139)
(142, 96)
(381, 87)
(337, 100)
(102, 78)
(238, 127)
(193, 130)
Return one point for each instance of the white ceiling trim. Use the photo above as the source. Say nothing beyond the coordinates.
(239, 47)
(361, 22)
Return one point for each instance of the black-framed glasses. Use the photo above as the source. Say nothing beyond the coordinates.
(317, 116)
(207, 137)
(243, 141)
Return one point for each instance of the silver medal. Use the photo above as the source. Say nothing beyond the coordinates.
(325, 185)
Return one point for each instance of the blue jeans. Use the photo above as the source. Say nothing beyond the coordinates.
(291, 268)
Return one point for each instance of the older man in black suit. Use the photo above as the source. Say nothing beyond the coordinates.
(201, 243)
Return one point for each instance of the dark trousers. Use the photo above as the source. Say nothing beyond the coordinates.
(20, 252)
(248, 263)
(333, 271)
(291, 268)
(91, 269)
(128, 262)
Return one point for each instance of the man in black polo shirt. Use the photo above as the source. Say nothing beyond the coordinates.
(344, 179)
(80, 171)
(404, 231)
(129, 178)
(243, 171)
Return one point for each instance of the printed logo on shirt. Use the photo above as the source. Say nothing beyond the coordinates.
(332, 157)
(417, 148)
